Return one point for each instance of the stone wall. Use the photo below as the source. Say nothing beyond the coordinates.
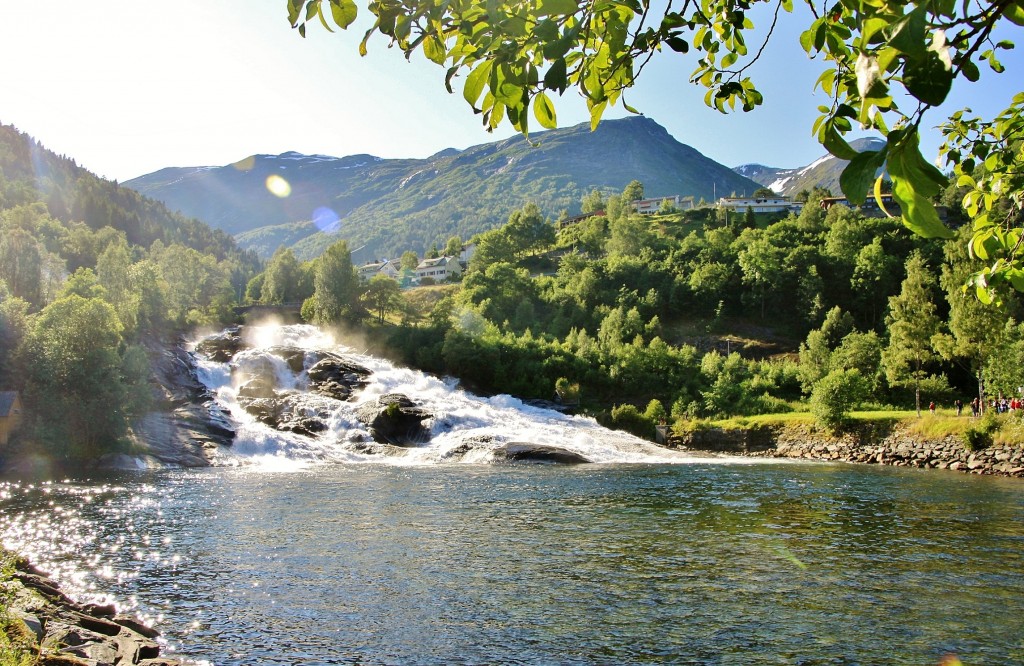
(885, 444)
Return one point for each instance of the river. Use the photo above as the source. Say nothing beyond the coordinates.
(305, 557)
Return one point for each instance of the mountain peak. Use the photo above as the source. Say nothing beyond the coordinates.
(388, 206)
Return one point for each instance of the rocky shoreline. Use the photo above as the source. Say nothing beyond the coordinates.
(55, 630)
(875, 444)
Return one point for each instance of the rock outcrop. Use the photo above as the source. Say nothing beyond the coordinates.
(185, 426)
(47, 623)
(537, 453)
(395, 419)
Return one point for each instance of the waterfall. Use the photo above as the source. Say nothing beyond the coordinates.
(263, 386)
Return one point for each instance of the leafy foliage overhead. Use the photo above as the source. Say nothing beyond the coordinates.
(886, 64)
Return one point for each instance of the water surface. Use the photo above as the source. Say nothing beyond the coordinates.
(597, 564)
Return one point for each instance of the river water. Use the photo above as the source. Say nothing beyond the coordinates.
(296, 555)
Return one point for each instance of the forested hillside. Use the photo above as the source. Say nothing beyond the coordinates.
(384, 207)
(88, 270)
(664, 317)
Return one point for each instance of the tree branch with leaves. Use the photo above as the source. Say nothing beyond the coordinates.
(887, 63)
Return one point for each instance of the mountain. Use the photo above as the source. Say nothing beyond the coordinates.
(385, 206)
(30, 173)
(822, 172)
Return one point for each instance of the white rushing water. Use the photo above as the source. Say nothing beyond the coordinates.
(463, 427)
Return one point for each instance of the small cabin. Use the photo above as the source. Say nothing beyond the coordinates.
(10, 414)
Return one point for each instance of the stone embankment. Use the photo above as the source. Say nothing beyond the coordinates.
(871, 445)
(57, 631)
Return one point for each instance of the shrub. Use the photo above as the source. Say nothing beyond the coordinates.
(979, 435)
(834, 395)
(629, 418)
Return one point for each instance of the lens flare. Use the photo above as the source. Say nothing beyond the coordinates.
(278, 186)
(326, 220)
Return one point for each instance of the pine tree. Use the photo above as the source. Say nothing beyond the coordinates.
(912, 323)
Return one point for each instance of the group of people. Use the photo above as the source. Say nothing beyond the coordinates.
(1001, 405)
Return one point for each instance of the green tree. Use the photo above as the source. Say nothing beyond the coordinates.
(383, 295)
(21, 265)
(453, 248)
(592, 202)
(764, 193)
(975, 329)
(335, 286)
(633, 191)
(282, 281)
(913, 323)
(409, 261)
(528, 231)
(113, 268)
(874, 275)
(74, 383)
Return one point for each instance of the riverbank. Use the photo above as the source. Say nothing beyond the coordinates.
(40, 625)
(884, 443)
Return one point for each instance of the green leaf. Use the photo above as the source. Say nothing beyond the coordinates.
(596, 111)
(908, 34)
(548, 7)
(544, 111)
(858, 175)
(1015, 14)
(927, 79)
(1016, 278)
(919, 214)
(556, 78)
(678, 44)
(836, 144)
(343, 12)
(476, 81)
(434, 50)
(970, 71)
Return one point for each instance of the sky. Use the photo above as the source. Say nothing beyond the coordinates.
(127, 87)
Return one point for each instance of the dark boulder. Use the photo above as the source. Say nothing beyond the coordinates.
(395, 419)
(222, 348)
(293, 356)
(291, 412)
(541, 453)
(337, 378)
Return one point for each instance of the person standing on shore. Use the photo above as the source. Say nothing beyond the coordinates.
(959, 404)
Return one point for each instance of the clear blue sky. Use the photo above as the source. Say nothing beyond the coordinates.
(127, 87)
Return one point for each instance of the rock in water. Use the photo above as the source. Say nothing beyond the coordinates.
(395, 419)
(223, 347)
(526, 452)
(336, 377)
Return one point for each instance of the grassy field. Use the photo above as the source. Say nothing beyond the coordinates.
(1005, 428)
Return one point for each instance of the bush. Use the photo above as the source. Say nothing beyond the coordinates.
(629, 418)
(979, 435)
(835, 394)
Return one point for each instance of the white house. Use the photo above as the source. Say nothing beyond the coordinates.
(386, 267)
(776, 204)
(653, 206)
(467, 253)
(439, 269)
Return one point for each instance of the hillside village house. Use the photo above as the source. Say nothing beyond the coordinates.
(870, 207)
(653, 206)
(386, 267)
(10, 414)
(439, 269)
(760, 204)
